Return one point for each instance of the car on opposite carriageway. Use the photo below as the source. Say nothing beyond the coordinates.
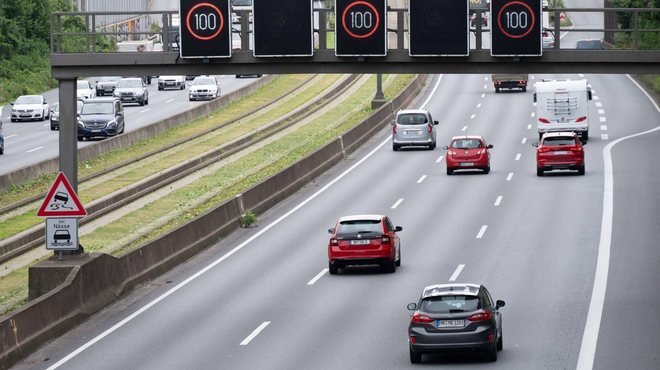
(204, 87)
(101, 117)
(29, 107)
(55, 114)
(132, 90)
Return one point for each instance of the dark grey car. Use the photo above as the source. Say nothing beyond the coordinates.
(413, 127)
(101, 117)
(132, 90)
(455, 318)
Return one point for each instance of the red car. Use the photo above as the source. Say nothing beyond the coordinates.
(468, 153)
(559, 151)
(364, 240)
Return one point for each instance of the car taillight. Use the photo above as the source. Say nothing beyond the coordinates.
(394, 129)
(581, 119)
(480, 316)
(333, 242)
(543, 120)
(576, 148)
(421, 318)
(386, 240)
(412, 339)
(430, 128)
(543, 150)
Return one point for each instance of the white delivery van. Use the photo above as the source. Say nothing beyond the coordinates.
(562, 105)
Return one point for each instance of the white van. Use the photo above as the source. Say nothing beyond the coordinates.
(562, 105)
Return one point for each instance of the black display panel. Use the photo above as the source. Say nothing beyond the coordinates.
(360, 28)
(205, 29)
(439, 27)
(283, 28)
(516, 28)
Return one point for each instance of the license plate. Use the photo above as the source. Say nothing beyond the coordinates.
(25, 115)
(170, 83)
(413, 132)
(96, 130)
(560, 152)
(451, 323)
(125, 98)
(108, 89)
(359, 242)
(467, 164)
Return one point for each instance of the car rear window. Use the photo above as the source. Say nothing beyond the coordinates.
(412, 119)
(447, 304)
(589, 44)
(466, 144)
(559, 141)
(359, 227)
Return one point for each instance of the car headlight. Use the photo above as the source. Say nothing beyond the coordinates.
(112, 123)
(116, 93)
(13, 111)
(138, 93)
(80, 124)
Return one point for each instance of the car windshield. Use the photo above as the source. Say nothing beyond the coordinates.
(28, 100)
(83, 85)
(447, 304)
(466, 144)
(129, 83)
(203, 81)
(97, 108)
(412, 119)
(359, 227)
(559, 141)
(109, 79)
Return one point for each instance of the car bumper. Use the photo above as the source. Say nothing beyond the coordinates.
(377, 256)
(200, 96)
(55, 124)
(26, 116)
(105, 90)
(463, 164)
(131, 99)
(452, 342)
(165, 85)
(89, 133)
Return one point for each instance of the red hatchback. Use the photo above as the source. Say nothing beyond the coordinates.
(468, 153)
(559, 151)
(364, 240)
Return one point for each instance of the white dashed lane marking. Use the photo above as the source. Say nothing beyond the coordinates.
(595, 97)
(7, 137)
(524, 140)
(397, 203)
(518, 157)
(498, 201)
(603, 127)
(440, 159)
(479, 105)
(604, 137)
(421, 179)
(508, 178)
(255, 333)
(529, 127)
(601, 111)
(456, 273)
(169, 100)
(146, 110)
(35, 149)
(533, 114)
(472, 117)
(483, 95)
(603, 119)
(311, 282)
(464, 128)
(599, 104)
(482, 231)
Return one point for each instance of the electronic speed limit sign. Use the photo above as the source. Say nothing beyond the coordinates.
(516, 28)
(360, 28)
(205, 29)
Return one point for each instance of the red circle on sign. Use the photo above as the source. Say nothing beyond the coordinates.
(343, 19)
(499, 19)
(222, 21)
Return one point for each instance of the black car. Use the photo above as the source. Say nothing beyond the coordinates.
(55, 114)
(455, 318)
(106, 85)
(101, 117)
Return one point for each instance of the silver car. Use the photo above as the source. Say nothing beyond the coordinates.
(413, 127)
(132, 90)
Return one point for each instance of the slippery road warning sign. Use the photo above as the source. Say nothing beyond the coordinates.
(61, 200)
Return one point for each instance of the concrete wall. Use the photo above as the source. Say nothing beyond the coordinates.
(89, 284)
(49, 166)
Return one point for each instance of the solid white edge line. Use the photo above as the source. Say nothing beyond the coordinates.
(440, 159)
(456, 273)
(592, 327)
(421, 179)
(397, 203)
(46, 125)
(317, 277)
(498, 201)
(432, 92)
(255, 333)
(216, 262)
(7, 137)
(482, 232)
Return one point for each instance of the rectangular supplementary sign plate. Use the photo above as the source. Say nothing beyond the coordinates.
(360, 28)
(205, 29)
(283, 28)
(62, 233)
(516, 28)
(439, 28)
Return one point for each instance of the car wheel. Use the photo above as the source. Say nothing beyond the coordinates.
(491, 355)
(238, 76)
(160, 88)
(398, 262)
(147, 102)
(585, 136)
(395, 148)
(497, 89)
(333, 269)
(524, 89)
(80, 138)
(190, 99)
(52, 128)
(539, 172)
(415, 358)
(500, 345)
(183, 86)
(487, 170)
(449, 171)
(581, 170)
(142, 102)
(390, 266)
(13, 120)
(43, 116)
(2, 150)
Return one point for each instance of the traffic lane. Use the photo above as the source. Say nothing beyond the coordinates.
(632, 297)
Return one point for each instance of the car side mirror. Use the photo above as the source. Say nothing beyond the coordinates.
(412, 306)
(398, 228)
(445, 147)
(435, 122)
(45, 102)
(330, 231)
(535, 144)
(12, 103)
(490, 146)
(499, 303)
(392, 123)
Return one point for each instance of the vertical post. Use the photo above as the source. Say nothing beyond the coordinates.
(557, 29)
(379, 87)
(245, 28)
(323, 37)
(400, 27)
(69, 131)
(166, 38)
(636, 29)
(477, 24)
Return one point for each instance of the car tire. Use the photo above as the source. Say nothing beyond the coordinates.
(142, 102)
(524, 89)
(487, 170)
(581, 170)
(500, 345)
(80, 138)
(449, 171)
(52, 128)
(415, 358)
(2, 151)
(332, 268)
(13, 120)
(238, 76)
(585, 136)
(160, 88)
(190, 99)
(398, 262)
(395, 148)
(491, 355)
(147, 101)
(497, 89)
(183, 86)
(539, 172)
(390, 266)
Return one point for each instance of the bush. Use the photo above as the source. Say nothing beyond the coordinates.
(247, 220)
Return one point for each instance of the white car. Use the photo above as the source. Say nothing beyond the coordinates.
(84, 90)
(204, 87)
(29, 107)
(177, 82)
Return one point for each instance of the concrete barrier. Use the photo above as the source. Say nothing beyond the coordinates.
(64, 295)
(52, 165)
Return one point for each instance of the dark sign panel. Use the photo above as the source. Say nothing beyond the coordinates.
(439, 27)
(360, 28)
(205, 28)
(516, 28)
(283, 28)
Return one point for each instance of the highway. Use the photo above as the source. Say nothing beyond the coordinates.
(29, 142)
(533, 241)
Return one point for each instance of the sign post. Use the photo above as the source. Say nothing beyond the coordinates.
(516, 28)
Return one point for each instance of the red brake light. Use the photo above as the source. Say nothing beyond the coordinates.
(480, 316)
(394, 129)
(543, 149)
(543, 120)
(576, 148)
(412, 339)
(581, 119)
(333, 242)
(386, 240)
(421, 318)
(430, 128)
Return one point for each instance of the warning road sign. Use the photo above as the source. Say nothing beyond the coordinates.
(61, 200)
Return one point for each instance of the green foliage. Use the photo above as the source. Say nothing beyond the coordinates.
(247, 220)
(645, 20)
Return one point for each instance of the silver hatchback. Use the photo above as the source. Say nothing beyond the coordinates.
(413, 127)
